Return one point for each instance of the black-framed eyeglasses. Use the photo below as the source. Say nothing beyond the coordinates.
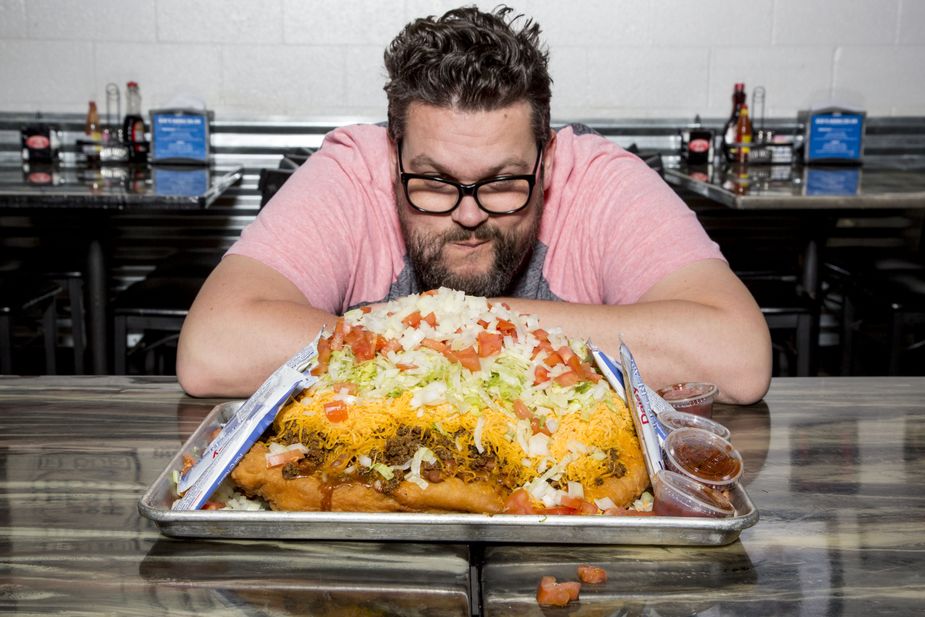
(435, 194)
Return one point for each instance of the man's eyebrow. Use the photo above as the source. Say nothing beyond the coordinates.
(424, 161)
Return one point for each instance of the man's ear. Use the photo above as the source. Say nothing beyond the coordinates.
(393, 163)
(549, 154)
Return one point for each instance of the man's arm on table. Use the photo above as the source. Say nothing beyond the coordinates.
(246, 321)
(697, 324)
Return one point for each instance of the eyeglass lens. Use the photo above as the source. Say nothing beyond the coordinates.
(501, 195)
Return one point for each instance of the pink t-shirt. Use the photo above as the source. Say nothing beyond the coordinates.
(611, 228)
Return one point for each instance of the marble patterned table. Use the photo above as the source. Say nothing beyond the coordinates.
(836, 467)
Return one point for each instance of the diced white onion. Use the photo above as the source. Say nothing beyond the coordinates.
(538, 445)
(422, 455)
(364, 460)
(477, 434)
(575, 489)
(605, 503)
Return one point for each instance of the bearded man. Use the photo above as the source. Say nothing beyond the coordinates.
(469, 187)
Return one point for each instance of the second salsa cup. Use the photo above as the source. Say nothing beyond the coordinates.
(694, 397)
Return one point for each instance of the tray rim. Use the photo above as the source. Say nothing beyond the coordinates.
(442, 527)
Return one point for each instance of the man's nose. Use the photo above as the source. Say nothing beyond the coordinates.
(468, 214)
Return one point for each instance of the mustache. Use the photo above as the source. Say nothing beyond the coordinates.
(461, 234)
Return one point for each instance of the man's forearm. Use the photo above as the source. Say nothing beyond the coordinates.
(673, 340)
(232, 353)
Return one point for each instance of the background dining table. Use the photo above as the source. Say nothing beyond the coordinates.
(85, 197)
(835, 467)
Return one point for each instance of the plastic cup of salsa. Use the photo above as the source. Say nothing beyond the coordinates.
(678, 495)
(702, 456)
(694, 397)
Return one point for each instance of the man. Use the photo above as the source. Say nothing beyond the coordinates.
(469, 188)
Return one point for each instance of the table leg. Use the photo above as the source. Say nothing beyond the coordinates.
(96, 307)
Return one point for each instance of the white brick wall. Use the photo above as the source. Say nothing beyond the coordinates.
(609, 58)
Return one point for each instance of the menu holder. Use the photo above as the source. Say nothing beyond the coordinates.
(180, 136)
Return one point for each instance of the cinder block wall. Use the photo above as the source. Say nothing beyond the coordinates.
(610, 58)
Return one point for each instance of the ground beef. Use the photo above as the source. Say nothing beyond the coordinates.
(614, 467)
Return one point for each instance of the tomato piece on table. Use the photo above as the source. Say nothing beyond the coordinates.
(551, 593)
(593, 575)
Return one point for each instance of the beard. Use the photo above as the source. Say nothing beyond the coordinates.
(510, 252)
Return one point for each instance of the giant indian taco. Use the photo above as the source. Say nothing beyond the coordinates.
(447, 402)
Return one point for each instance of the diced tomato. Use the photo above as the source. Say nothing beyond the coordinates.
(430, 343)
(468, 358)
(538, 426)
(592, 575)
(188, 463)
(506, 328)
(582, 506)
(429, 292)
(403, 366)
(430, 319)
(587, 371)
(366, 309)
(568, 378)
(522, 411)
(347, 387)
(519, 503)
(541, 335)
(482, 323)
(552, 359)
(412, 320)
(341, 328)
(573, 588)
(490, 343)
(362, 342)
(324, 357)
(336, 411)
(540, 348)
(570, 358)
(506, 305)
(281, 458)
(540, 375)
(392, 344)
(213, 505)
(551, 593)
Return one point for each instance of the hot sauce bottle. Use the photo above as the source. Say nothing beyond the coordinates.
(729, 130)
(743, 134)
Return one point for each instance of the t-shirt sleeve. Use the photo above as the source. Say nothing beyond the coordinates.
(629, 228)
(315, 230)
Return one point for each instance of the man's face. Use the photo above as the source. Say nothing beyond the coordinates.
(469, 249)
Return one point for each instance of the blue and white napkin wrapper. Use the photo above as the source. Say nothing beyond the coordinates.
(245, 428)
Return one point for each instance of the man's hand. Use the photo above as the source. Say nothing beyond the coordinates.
(697, 324)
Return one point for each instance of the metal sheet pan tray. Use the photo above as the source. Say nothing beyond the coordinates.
(423, 527)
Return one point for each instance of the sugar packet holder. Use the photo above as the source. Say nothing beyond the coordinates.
(626, 379)
(244, 428)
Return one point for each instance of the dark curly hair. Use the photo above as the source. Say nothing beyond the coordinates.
(468, 60)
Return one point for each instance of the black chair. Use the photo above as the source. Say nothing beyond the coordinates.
(156, 306)
(766, 252)
(875, 275)
(27, 312)
(62, 271)
(883, 322)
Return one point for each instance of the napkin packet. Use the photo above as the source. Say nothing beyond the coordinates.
(245, 427)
